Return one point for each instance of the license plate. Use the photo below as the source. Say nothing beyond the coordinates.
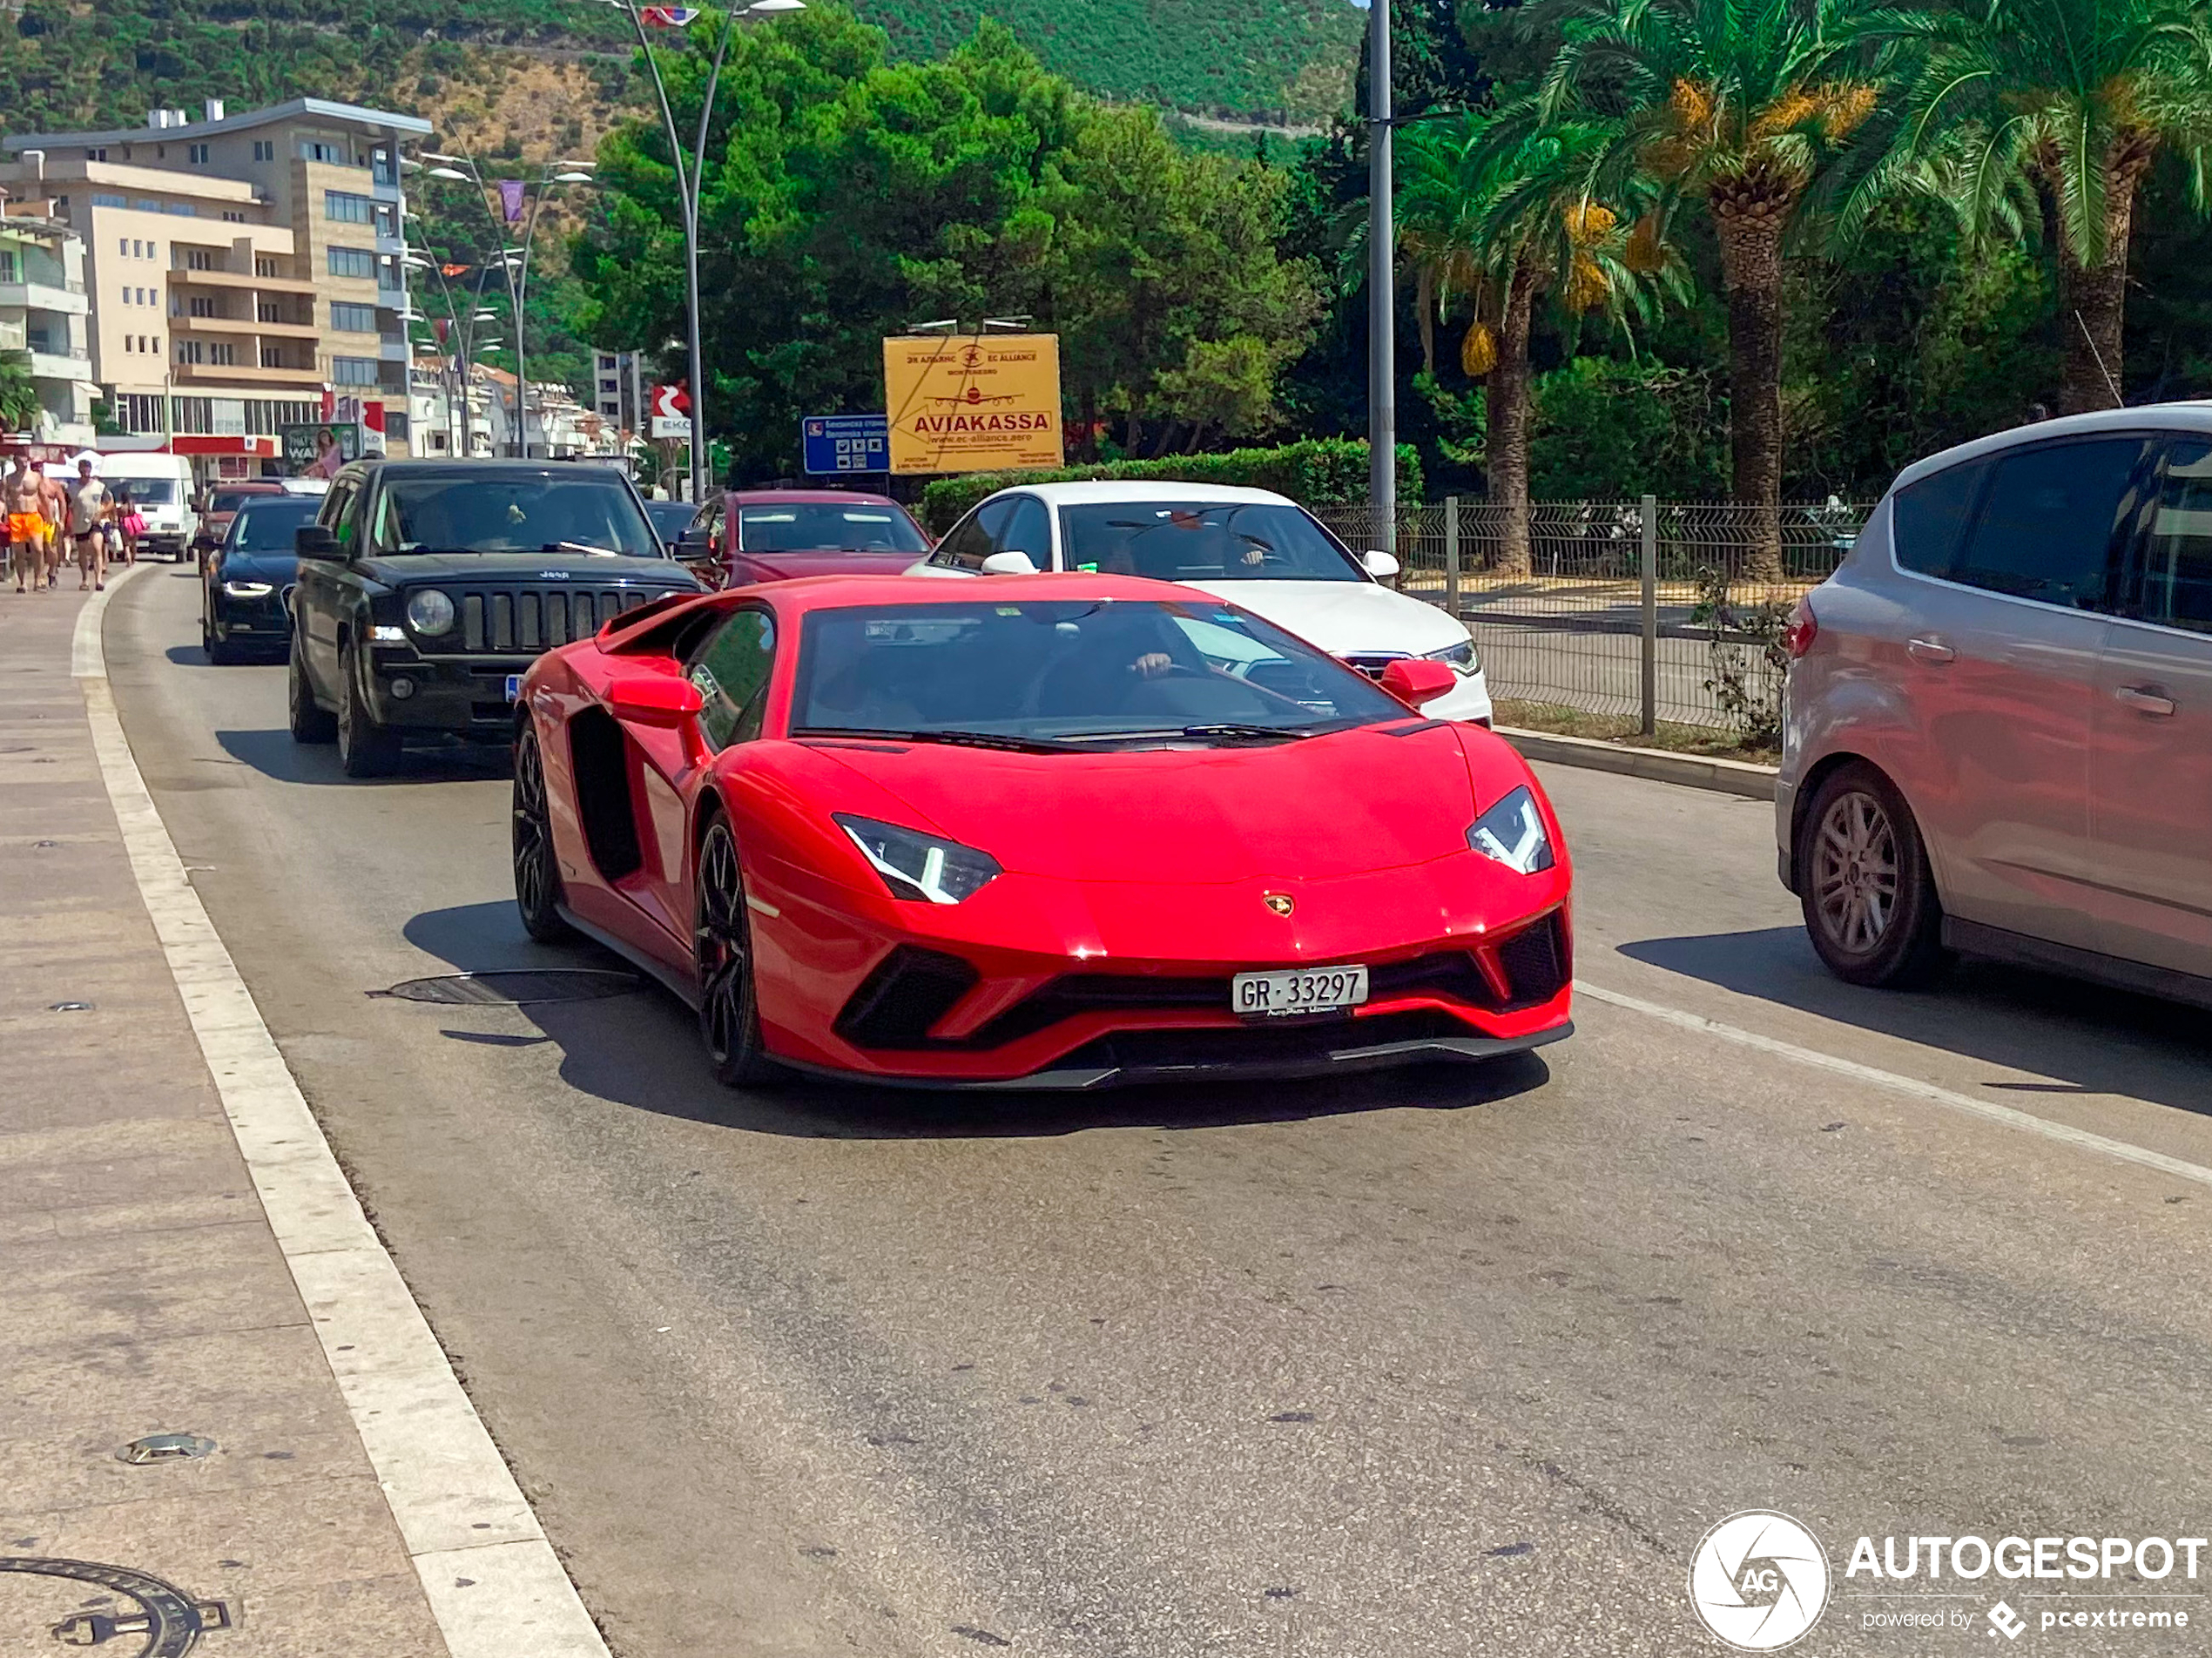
(1316, 990)
(514, 686)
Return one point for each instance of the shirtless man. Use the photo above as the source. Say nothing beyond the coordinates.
(53, 506)
(88, 515)
(26, 526)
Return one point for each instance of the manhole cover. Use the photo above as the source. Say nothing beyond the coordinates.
(515, 987)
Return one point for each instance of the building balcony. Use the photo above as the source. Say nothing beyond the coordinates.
(236, 281)
(64, 299)
(244, 374)
(235, 327)
(61, 365)
(14, 335)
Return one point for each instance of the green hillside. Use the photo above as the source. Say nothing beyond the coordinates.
(72, 64)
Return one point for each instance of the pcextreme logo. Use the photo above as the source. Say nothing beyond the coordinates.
(1759, 1580)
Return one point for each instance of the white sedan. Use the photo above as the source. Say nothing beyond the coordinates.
(1262, 550)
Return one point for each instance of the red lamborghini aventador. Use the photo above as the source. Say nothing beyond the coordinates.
(1042, 832)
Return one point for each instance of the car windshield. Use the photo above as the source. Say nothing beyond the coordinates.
(149, 492)
(265, 523)
(1073, 671)
(810, 527)
(231, 499)
(1203, 540)
(669, 518)
(568, 511)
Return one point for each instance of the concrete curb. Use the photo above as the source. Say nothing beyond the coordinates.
(494, 1584)
(1691, 770)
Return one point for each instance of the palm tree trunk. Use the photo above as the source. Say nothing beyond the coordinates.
(1751, 269)
(1505, 454)
(2092, 299)
(1425, 304)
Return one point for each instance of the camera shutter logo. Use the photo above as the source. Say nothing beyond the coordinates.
(1759, 1580)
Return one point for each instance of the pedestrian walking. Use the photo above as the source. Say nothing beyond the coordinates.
(129, 522)
(53, 506)
(88, 513)
(26, 526)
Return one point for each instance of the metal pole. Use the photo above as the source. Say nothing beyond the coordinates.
(521, 295)
(687, 199)
(1452, 555)
(1382, 363)
(1650, 615)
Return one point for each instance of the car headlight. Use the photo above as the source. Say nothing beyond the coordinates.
(1461, 656)
(247, 589)
(917, 865)
(1513, 833)
(429, 612)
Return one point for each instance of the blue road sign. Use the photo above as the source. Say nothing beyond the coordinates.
(847, 442)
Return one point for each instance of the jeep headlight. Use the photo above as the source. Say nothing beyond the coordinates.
(1513, 833)
(429, 612)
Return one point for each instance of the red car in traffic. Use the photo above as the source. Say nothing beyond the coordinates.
(1042, 832)
(782, 535)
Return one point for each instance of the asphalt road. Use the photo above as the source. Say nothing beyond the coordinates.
(1449, 1362)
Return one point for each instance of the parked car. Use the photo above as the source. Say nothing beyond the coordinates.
(670, 520)
(1261, 550)
(245, 585)
(1998, 732)
(777, 535)
(1051, 832)
(219, 504)
(426, 588)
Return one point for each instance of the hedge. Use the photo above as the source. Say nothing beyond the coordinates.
(1318, 471)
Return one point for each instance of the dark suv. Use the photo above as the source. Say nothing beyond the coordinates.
(427, 588)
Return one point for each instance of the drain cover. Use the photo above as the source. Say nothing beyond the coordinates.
(515, 987)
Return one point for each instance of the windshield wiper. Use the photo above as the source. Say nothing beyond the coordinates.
(580, 546)
(1227, 731)
(956, 739)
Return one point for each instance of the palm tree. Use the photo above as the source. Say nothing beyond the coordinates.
(2029, 113)
(1744, 108)
(19, 404)
(1497, 210)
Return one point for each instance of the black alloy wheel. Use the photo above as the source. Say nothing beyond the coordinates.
(722, 945)
(537, 873)
(311, 722)
(365, 748)
(1868, 894)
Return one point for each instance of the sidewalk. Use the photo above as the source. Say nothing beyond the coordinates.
(146, 1290)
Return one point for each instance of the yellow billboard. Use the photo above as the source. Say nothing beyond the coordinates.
(976, 404)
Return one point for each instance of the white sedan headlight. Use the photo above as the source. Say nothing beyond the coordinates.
(1461, 656)
(429, 612)
(1513, 833)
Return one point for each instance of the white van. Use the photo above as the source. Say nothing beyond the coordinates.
(161, 488)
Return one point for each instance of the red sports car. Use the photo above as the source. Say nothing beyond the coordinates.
(1041, 832)
(783, 535)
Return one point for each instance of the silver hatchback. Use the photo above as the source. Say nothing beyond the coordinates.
(1999, 732)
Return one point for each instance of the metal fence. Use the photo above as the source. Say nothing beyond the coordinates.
(1601, 615)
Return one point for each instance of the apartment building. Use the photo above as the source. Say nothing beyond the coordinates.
(43, 313)
(246, 273)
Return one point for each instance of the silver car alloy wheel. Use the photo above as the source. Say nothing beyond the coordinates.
(1855, 872)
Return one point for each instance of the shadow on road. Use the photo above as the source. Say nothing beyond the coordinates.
(274, 754)
(2099, 1041)
(187, 656)
(644, 1051)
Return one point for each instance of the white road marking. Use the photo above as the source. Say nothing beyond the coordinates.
(1989, 1111)
(492, 1579)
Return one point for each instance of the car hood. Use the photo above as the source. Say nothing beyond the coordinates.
(525, 569)
(827, 561)
(1343, 617)
(1348, 804)
(274, 568)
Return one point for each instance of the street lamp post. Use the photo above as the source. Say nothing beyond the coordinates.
(514, 262)
(458, 365)
(687, 191)
(1382, 340)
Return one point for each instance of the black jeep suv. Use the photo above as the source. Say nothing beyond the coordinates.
(427, 588)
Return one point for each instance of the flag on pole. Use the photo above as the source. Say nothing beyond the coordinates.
(668, 17)
(511, 199)
(455, 270)
(441, 326)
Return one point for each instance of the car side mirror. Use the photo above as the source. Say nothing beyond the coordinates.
(315, 541)
(1010, 563)
(1381, 565)
(1416, 680)
(663, 701)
